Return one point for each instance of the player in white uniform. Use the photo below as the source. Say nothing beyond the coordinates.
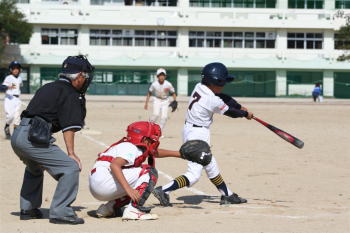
(119, 176)
(206, 99)
(12, 104)
(160, 89)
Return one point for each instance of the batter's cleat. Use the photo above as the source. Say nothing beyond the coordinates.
(7, 131)
(163, 198)
(30, 214)
(131, 213)
(233, 199)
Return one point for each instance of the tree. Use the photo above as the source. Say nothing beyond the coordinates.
(343, 35)
(13, 26)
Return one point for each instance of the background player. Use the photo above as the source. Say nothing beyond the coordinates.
(317, 93)
(160, 89)
(12, 104)
(206, 99)
(119, 176)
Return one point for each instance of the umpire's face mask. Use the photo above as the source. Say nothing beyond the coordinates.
(88, 79)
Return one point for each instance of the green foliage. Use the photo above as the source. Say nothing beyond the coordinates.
(13, 24)
(344, 34)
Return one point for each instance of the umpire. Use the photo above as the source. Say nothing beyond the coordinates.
(59, 105)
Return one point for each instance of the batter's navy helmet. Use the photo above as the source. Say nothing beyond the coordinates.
(14, 64)
(216, 73)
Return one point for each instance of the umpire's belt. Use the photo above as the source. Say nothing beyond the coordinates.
(193, 125)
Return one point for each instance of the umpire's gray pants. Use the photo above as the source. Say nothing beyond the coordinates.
(56, 162)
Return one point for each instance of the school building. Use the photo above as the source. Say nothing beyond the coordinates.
(274, 47)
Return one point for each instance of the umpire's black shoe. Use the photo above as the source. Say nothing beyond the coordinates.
(30, 214)
(73, 220)
(233, 199)
(162, 196)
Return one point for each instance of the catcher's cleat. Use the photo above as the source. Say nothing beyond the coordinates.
(7, 132)
(162, 196)
(30, 214)
(106, 210)
(132, 213)
(233, 199)
(109, 210)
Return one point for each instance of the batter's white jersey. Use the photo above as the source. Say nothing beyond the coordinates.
(11, 80)
(202, 105)
(161, 91)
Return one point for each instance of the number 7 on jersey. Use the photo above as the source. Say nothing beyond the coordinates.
(196, 97)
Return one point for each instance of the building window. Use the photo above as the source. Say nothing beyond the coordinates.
(212, 39)
(135, 2)
(68, 37)
(122, 37)
(234, 3)
(342, 4)
(64, 2)
(100, 37)
(306, 4)
(56, 36)
(341, 43)
(301, 40)
(131, 37)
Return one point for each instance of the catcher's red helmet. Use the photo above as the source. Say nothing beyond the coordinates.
(140, 129)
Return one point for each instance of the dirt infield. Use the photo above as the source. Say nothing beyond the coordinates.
(288, 189)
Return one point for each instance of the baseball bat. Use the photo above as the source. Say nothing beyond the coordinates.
(284, 135)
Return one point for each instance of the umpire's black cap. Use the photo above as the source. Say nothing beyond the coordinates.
(76, 64)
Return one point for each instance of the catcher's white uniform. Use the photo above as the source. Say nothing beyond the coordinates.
(12, 103)
(103, 185)
(202, 105)
(161, 94)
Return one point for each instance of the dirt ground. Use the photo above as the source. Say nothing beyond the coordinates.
(288, 189)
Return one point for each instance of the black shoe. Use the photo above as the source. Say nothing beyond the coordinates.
(233, 199)
(7, 132)
(162, 196)
(73, 220)
(30, 214)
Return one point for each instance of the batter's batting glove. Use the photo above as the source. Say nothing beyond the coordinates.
(173, 105)
(197, 151)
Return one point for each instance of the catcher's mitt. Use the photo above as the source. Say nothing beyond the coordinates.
(197, 151)
(173, 105)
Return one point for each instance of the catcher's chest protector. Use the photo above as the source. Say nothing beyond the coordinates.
(139, 160)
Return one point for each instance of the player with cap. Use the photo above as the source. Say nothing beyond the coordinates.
(206, 99)
(56, 106)
(161, 89)
(12, 104)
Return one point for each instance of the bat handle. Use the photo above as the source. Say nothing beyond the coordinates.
(260, 121)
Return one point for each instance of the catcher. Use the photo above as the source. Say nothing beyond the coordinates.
(120, 177)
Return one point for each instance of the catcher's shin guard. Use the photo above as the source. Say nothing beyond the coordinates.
(145, 189)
